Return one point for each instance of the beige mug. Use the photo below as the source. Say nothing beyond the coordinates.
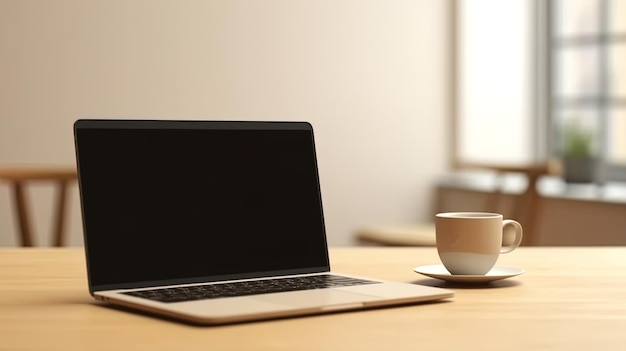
(471, 242)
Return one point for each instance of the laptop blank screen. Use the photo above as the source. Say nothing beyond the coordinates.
(186, 201)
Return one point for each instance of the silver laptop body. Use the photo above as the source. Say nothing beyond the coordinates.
(213, 222)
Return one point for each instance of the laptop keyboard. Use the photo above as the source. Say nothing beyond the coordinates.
(253, 287)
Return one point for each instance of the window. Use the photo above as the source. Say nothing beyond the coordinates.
(587, 50)
(494, 63)
(533, 68)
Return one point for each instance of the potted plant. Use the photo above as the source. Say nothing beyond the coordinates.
(579, 158)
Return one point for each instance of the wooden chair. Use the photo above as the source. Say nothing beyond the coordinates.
(525, 208)
(18, 176)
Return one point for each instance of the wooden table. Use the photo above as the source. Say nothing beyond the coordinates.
(568, 299)
(17, 176)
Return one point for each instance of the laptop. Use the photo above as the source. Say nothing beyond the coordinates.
(214, 222)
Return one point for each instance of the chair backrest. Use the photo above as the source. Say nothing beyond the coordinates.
(18, 176)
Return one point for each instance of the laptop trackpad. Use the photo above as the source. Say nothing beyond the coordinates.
(316, 298)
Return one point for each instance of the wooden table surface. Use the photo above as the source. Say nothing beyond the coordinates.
(568, 299)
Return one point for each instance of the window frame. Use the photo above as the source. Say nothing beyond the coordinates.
(603, 102)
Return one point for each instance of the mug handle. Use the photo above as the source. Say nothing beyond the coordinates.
(518, 235)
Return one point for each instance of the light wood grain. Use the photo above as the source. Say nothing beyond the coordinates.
(568, 299)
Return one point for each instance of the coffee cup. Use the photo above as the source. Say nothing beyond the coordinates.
(470, 243)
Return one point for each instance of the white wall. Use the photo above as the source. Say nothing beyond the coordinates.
(371, 75)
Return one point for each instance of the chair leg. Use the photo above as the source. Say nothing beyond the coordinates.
(531, 209)
(21, 211)
(58, 236)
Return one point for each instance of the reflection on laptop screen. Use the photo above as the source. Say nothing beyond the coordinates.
(169, 200)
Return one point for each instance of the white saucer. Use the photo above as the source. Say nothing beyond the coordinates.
(440, 272)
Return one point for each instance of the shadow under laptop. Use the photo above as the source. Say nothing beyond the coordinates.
(149, 315)
(169, 319)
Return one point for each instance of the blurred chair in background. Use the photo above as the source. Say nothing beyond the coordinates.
(524, 207)
(458, 193)
(17, 177)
